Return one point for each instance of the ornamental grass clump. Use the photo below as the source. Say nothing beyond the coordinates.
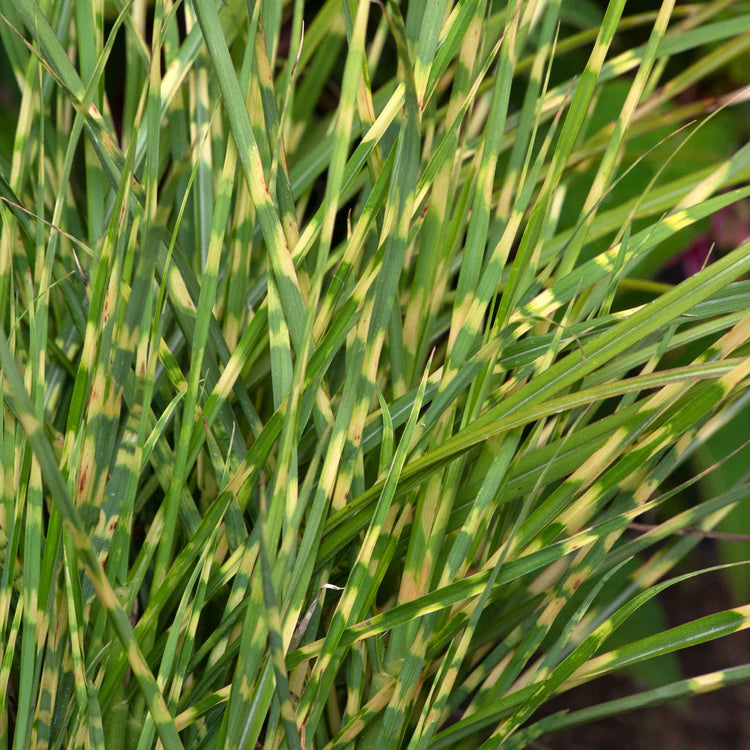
(345, 402)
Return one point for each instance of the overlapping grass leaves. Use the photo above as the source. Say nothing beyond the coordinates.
(331, 387)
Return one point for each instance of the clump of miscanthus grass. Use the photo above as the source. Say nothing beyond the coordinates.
(337, 370)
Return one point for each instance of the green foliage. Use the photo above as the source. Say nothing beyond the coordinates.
(337, 370)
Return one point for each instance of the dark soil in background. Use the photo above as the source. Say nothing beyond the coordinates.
(715, 721)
